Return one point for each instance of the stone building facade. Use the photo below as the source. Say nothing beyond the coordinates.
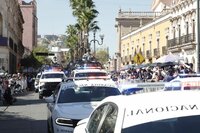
(11, 29)
(30, 26)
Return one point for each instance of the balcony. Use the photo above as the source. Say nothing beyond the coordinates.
(156, 52)
(148, 54)
(3, 41)
(130, 58)
(164, 50)
(126, 58)
(184, 42)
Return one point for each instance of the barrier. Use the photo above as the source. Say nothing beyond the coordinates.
(151, 87)
(147, 86)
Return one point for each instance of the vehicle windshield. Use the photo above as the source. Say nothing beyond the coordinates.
(86, 94)
(189, 124)
(54, 75)
(89, 74)
(38, 76)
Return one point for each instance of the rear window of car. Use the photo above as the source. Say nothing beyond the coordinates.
(189, 124)
(54, 75)
(86, 94)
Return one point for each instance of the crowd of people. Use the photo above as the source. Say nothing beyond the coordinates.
(8, 83)
(154, 74)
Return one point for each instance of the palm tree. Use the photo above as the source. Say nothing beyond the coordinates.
(84, 11)
(72, 40)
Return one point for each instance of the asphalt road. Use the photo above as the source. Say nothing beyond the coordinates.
(27, 115)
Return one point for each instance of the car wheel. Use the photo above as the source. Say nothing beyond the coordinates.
(40, 97)
(36, 90)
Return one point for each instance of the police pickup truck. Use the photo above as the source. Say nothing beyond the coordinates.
(48, 82)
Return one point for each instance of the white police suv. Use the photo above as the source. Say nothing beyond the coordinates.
(78, 74)
(155, 112)
(48, 82)
(74, 100)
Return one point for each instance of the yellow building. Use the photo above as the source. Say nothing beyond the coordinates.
(148, 41)
(173, 29)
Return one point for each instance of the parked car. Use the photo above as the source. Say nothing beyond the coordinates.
(73, 101)
(155, 112)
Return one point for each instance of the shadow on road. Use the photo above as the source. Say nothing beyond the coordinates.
(20, 102)
(33, 99)
(14, 123)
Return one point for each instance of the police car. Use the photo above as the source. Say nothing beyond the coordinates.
(74, 100)
(78, 74)
(184, 82)
(48, 82)
(155, 112)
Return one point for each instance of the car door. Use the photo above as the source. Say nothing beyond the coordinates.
(103, 119)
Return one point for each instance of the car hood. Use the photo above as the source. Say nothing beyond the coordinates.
(76, 110)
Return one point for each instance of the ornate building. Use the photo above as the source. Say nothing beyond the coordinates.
(182, 38)
(128, 22)
(173, 31)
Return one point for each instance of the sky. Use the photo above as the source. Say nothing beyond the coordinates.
(55, 15)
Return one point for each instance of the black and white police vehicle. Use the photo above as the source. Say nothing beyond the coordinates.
(74, 100)
(48, 81)
(155, 112)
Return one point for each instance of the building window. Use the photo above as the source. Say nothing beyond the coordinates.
(127, 51)
(174, 32)
(150, 47)
(179, 31)
(193, 26)
(187, 28)
(143, 48)
(158, 43)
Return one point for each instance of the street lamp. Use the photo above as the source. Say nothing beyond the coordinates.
(94, 40)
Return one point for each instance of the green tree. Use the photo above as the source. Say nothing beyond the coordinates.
(41, 59)
(30, 61)
(72, 40)
(102, 56)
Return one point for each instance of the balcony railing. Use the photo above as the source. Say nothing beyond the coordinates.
(127, 14)
(3, 41)
(164, 50)
(181, 40)
(156, 52)
(130, 57)
(126, 58)
(148, 54)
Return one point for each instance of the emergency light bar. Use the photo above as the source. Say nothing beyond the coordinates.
(80, 68)
(87, 78)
